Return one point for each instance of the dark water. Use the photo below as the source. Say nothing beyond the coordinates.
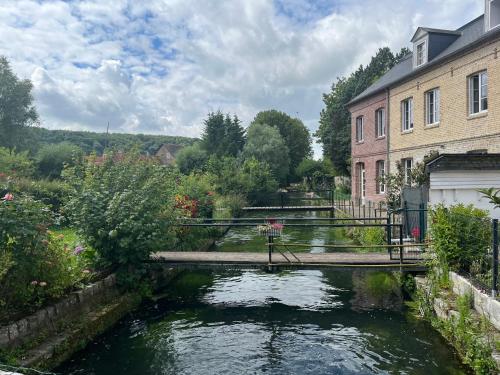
(301, 322)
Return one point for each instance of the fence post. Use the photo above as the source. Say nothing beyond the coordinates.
(389, 239)
(401, 243)
(494, 289)
(406, 219)
(270, 245)
(421, 219)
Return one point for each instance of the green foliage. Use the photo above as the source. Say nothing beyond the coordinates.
(250, 178)
(229, 206)
(222, 135)
(335, 120)
(370, 236)
(49, 192)
(191, 158)
(295, 134)
(35, 265)
(123, 207)
(51, 159)
(16, 106)
(264, 143)
(15, 164)
(91, 142)
(461, 235)
(493, 195)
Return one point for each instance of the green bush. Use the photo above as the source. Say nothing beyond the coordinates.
(229, 206)
(51, 158)
(15, 164)
(370, 236)
(49, 192)
(35, 265)
(461, 235)
(191, 158)
(123, 206)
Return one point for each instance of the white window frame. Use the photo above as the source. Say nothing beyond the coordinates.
(421, 60)
(360, 129)
(380, 123)
(482, 92)
(489, 14)
(407, 115)
(432, 107)
(362, 180)
(380, 166)
(407, 168)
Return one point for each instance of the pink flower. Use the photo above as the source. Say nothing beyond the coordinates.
(277, 226)
(415, 232)
(8, 197)
(78, 250)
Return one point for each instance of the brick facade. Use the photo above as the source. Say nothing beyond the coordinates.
(370, 150)
(457, 131)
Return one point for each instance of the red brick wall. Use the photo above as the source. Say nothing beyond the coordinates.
(371, 149)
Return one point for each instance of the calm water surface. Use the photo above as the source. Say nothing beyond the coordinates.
(301, 322)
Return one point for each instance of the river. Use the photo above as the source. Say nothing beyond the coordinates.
(253, 322)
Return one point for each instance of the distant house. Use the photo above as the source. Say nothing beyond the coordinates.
(167, 152)
(456, 178)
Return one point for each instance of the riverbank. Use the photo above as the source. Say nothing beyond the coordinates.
(466, 317)
(53, 334)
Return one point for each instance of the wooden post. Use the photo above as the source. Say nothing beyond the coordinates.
(401, 243)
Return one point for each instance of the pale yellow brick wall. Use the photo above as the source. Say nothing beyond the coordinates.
(457, 131)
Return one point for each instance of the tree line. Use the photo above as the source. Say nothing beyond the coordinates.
(335, 120)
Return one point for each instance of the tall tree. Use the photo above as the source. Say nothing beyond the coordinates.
(16, 106)
(293, 131)
(222, 135)
(265, 144)
(335, 120)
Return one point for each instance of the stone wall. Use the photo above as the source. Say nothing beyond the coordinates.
(485, 305)
(49, 319)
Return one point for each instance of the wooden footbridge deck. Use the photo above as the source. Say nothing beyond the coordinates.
(239, 260)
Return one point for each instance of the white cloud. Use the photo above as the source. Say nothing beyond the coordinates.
(160, 66)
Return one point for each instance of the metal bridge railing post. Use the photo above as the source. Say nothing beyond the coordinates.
(389, 239)
(401, 243)
(494, 268)
(270, 246)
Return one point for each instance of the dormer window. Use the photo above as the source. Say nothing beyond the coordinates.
(420, 53)
(492, 16)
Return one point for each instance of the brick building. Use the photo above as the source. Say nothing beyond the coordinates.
(369, 147)
(444, 97)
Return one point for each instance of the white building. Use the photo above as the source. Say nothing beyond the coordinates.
(456, 178)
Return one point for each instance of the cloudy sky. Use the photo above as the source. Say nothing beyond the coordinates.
(159, 66)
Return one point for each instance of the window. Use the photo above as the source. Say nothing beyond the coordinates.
(493, 13)
(380, 176)
(478, 93)
(407, 114)
(362, 180)
(421, 53)
(432, 107)
(407, 167)
(380, 122)
(360, 129)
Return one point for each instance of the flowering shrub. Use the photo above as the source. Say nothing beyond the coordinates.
(123, 208)
(35, 265)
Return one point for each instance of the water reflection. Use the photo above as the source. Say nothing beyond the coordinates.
(301, 322)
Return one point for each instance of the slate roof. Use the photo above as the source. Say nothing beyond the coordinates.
(464, 162)
(472, 34)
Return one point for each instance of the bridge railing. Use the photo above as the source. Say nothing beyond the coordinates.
(398, 248)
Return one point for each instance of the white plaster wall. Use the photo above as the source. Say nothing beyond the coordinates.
(450, 188)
